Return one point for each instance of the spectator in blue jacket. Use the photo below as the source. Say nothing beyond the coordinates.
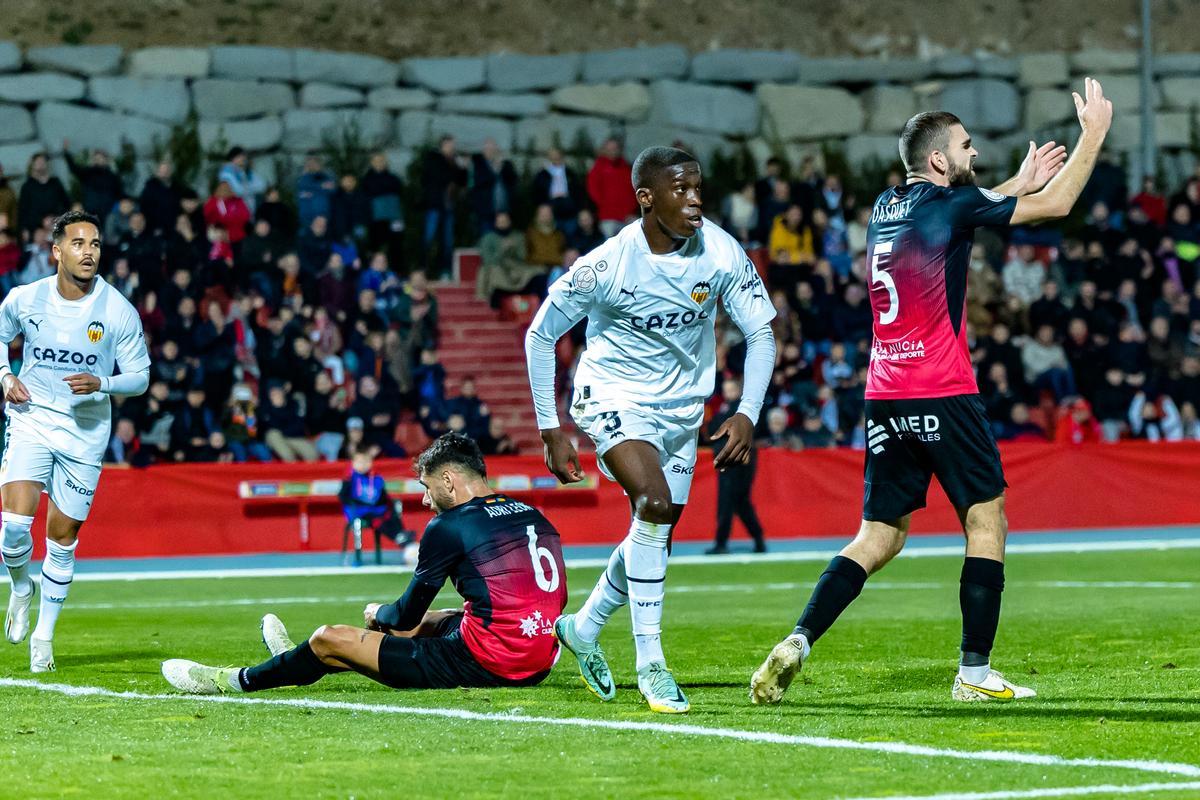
(364, 497)
(241, 177)
(314, 191)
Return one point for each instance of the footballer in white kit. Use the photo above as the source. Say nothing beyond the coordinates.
(649, 294)
(76, 329)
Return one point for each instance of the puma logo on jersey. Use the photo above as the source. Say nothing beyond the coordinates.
(36, 323)
(629, 292)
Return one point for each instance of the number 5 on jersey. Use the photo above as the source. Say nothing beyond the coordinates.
(880, 275)
(546, 577)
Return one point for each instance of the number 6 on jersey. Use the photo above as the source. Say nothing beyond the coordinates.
(545, 582)
(880, 275)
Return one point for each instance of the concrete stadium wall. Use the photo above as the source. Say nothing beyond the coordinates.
(282, 102)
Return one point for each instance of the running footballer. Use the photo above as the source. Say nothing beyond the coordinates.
(77, 330)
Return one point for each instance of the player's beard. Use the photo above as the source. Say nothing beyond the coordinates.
(961, 175)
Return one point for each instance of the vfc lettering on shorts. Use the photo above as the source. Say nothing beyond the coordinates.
(923, 428)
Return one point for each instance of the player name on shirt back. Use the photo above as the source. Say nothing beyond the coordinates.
(506, 509)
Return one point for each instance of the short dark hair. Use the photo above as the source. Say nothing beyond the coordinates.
(58, 231)
(923, 134)
(653, 160)
(234, 152)
(451, 449)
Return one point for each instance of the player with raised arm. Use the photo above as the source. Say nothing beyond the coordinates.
(924, 416)
(76, 329)
(503, 557)
(649, 294)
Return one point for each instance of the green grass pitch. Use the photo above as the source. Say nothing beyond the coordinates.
(1111, 641)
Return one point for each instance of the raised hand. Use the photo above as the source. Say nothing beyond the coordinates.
(1093, 109)
(1040, 165)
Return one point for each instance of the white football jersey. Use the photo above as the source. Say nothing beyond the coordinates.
(650, 332)
(66, 337)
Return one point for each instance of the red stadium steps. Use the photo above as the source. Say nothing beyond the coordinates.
(476, 341)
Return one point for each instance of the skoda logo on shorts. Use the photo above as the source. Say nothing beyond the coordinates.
(700, 292)
(95, 331)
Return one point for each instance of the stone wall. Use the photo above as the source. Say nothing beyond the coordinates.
(280, 101)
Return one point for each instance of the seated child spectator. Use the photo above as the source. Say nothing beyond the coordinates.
(364, 497)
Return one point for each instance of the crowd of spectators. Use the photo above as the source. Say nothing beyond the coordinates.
(300, 331)
(277, 331)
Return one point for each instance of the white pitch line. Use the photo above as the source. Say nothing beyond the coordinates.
(684, 589)
(940, 551)
(760, 737)
(916, 551)
(1065, 791)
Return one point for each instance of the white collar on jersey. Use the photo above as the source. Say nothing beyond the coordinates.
(57, 298)
(691, 248)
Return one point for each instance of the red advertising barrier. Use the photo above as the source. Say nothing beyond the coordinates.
(196, 509)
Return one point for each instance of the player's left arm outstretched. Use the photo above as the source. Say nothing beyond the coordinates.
(745, 299)
(441, 549)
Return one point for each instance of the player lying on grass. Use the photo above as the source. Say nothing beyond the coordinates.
(924, 416)
(503, 557)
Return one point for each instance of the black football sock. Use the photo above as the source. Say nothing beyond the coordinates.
(979, 596)
(840, 583)
(297, 667)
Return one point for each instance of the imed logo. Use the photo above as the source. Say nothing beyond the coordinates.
(95, 331)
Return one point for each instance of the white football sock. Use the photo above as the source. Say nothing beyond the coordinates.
(646, 571)
(58, 570)
(17, 548)
(974, 675)
(610, 593)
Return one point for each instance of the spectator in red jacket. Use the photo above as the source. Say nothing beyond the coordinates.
(610, 185)
(1076, 425)
(228, 211)
(1150, 200)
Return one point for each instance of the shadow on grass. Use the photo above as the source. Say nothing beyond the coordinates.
(109, 657)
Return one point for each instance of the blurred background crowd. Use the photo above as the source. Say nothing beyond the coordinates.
(300, 321)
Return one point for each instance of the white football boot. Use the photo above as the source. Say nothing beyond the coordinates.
(16, 620)
(41, 655)
(188, 676)
(993, 688)
(275, 636)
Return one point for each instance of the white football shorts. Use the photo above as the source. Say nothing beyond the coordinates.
(672, 428)
(71, 484)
